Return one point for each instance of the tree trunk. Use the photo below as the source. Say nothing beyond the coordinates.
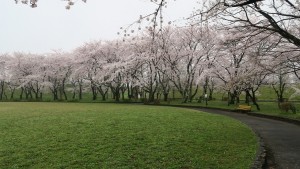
(151, 96)
(166, 96)
(94, 92)
(21, 94)
(117, 94)
(12, 93)
(74, 94)
(231, 98)
(54, 93)
(102, 92)
(253, 98)
(123, 90)
(80, 91)
(192, 95)
(210, 95)
(129, 91)
(1, 90)
(247, 101)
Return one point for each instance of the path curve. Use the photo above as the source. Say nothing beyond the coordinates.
(281, 138)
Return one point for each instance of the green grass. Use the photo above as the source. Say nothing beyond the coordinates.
(212, 104)
(268, 108)
(82, 135)
(271, 108)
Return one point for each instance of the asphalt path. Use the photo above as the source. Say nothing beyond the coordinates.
(282, 139)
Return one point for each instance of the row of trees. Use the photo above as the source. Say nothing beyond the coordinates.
(154, 63)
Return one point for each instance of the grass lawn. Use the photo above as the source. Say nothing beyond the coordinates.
(93, 135)
(269, 108)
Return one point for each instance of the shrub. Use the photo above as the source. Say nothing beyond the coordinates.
(127, 100)
(145, 101)
(156, 101)
(224, 98)
(286, 106)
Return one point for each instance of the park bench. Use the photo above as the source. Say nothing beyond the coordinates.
(243, 108)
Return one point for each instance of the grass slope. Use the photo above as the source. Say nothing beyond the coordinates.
(82, 135)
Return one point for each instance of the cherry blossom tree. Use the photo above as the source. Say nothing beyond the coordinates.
(57, 69)
(288, 56)
(231, 65)
(25, 73)
(256, 77)
(4, 74)
(280, 75)
(236, 42)
(33, 3)
(279, 17)
(90, 63)
(147, 53)
(77, 80)
(280, 60)
(246, 63)
(186, 55)
(37, 77)
(103, 65)
(115, 74)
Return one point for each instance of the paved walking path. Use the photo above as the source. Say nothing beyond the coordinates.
(281, 137)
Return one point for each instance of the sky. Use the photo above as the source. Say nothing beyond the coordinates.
(51, 27)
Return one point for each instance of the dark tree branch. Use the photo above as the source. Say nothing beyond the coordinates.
(291, 38)
(242, 4)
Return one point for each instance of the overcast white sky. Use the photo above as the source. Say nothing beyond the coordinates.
(50, 26)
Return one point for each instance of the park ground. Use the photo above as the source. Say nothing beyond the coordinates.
(72, 135)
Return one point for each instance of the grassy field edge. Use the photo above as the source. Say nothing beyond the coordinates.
(64, 135)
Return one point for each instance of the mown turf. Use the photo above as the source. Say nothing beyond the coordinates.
(81, 135)
(268, 108)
